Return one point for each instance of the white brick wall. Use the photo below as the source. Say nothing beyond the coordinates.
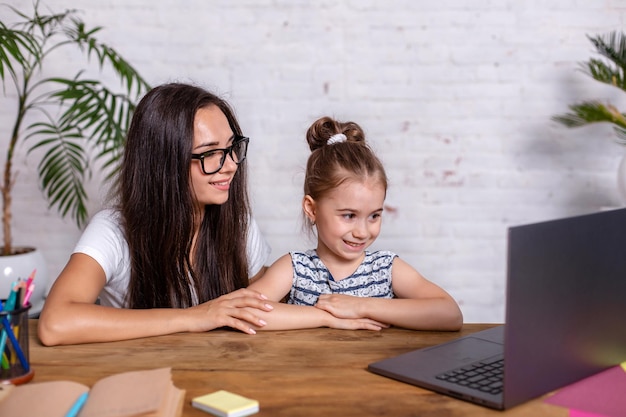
(456, 97)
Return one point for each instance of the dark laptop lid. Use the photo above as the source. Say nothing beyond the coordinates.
(566, 302)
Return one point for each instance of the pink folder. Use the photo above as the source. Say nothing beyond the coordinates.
(602, 394)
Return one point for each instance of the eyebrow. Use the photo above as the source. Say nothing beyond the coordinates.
(351, 210)
(229, 141)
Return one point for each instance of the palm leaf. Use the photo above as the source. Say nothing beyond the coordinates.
(106, 55)
(93, 118)
(591, 112)
(604, 73)
(15, 46)
(93, 107)
(63, 168)
(610, 70)
(612, 47)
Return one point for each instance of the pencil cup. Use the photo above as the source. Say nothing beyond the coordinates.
(15, 362)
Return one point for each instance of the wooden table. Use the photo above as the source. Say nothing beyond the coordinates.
(319, 372)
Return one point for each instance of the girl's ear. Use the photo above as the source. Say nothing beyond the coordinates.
(308, 205)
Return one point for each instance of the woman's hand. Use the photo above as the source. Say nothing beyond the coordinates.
(235, 310)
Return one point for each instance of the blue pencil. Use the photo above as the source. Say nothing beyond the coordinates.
(73, 412)
(9, 305)
(16, 345)
(3, 341)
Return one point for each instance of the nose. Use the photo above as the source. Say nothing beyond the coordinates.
(229, 163)
(360, 230)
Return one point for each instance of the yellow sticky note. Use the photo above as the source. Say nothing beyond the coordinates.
(623, 365)
(226, 404)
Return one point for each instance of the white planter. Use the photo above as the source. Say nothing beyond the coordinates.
(21, 266)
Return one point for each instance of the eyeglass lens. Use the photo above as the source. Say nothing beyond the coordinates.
(214, 160)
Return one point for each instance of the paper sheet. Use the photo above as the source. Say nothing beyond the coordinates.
(600, 395)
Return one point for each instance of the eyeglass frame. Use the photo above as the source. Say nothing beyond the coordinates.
(225, 151)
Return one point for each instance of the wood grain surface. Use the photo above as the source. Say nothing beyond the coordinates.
(319, 372)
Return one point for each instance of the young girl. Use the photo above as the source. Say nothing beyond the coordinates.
(344, 192)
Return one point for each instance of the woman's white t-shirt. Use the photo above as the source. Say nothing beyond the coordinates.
(103, 240)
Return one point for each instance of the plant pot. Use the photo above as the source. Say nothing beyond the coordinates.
(21, 265)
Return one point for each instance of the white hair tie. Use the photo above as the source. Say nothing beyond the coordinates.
(336, 138)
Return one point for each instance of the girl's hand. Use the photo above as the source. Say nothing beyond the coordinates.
(235, 310)
(356, 324)
(341, 306)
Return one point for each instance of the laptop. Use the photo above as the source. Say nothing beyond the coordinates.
(565, 318)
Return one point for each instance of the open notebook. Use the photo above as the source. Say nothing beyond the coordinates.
(145, 393)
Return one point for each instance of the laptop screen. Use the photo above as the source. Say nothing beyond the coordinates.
(566, 302)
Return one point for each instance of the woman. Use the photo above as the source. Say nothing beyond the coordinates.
(178, 248)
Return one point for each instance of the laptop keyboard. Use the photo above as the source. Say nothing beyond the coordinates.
(485, 375)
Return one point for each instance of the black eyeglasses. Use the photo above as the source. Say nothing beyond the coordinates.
(212, 161)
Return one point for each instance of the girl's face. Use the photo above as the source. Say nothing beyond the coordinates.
(348, 219)
(211, 131)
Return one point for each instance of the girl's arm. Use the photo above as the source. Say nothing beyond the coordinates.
(276, 284)
(276, 281)
(71, 316)
(420, 304)
(290, 317)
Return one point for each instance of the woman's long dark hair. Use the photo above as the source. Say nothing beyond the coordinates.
(159, 211)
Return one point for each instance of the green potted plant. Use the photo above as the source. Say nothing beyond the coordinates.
(609, 69)
(72, 121)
